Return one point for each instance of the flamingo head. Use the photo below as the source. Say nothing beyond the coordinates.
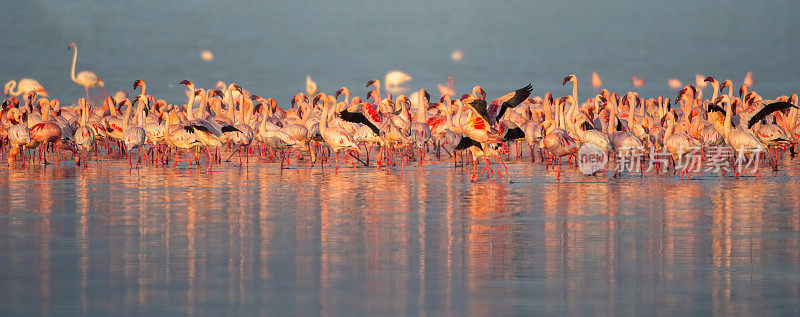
(372, 94)
(189, 84)
(478, 90)
(356, 100)
(15, 116)
(742, 89)
(548, 97)
(71, 46)
(568, 79)
(403, 100)
(30, 97)
(374, 82)
(317, 98)
(139, 83)
(710, 80)
(724, 84)
(342, 90)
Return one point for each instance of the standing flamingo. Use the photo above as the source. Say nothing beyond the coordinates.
(335, 137)
(420, 131)
(18, 135)
(135, 135)
(84, 135)
(85, 78)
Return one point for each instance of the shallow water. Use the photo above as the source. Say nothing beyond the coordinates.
(246, 240)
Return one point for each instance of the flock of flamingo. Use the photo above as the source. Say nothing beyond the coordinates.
(228, 119)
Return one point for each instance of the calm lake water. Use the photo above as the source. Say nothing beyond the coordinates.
(248, 240)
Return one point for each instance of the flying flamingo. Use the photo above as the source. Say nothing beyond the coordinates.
(85, 78)
(25, 85)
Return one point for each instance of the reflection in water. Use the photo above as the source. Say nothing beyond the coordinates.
(309, 241)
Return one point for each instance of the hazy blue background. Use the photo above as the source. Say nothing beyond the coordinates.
(269, 47)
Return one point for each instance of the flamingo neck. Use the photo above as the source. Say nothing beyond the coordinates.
(126, 117)
(167, 129)
(203, 101)
(715, 94)
(323, 122)
(190, 105)
(13, 84)
(422, 103)
(612, 119)
(74, 60)
(46, 112)
(727, 128)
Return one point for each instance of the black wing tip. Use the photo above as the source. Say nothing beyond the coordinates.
(467, 142)
(201, 128)
(514, 134)
(229, 128)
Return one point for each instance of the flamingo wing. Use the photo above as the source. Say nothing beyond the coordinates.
(479, 105)
(466, 142)
(767, 110)
(519, 96)
(357, 117)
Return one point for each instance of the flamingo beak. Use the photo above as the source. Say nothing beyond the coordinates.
(237, 88)
(427, 95)
(197, 92)
(185, 82)
(137, 83)
(566, 79)
(254, 97)
(709, 79)
(338, 92)
(371, 82)
(316, 99)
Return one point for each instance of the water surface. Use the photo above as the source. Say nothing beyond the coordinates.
(247, 240)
